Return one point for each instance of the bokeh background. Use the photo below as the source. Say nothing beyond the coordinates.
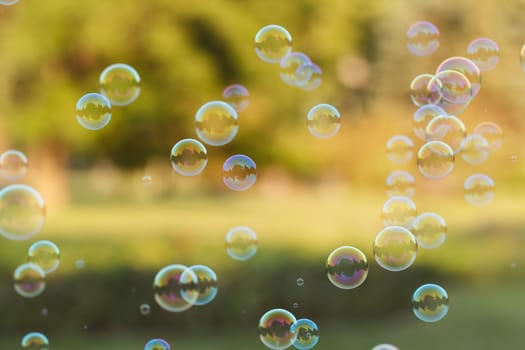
(310, 197)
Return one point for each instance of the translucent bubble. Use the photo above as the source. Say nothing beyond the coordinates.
(420, 93)
(8, 2)
(145, 309)
(237, 96)
(295, 305)
(22, 212)
(430, 230)
(435, 160)
(13, 165)
(44, 312)
(29, 280)
(311, 76)
(490, 132)
(157, 344)
(44, 254)
(189, 157)
(93, 111)
(347, 267)
(522, 58)
(35, 341)
(399, 149)
(216, 123)
(423, 116)
(395, 248)
(324, 120)
(454, 87)
(385, 347)
(307, 333)
(422, 38)
(120, 83)
(146, 180)
(400, 183)
(274, 329)
(241, 243)
(206, 286)
(239, 172)
(466, 67)
(448, 129)
(479, 189)
(80, 264)
(168, 288)
(398, 211)
(272, 43)
(290, 65)
(476, 149)
(300, 282)
(484, 53)
(430, 303)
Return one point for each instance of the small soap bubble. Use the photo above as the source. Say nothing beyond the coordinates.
(189, 157)
(216, 123)
(430, 230)
(274, 329)
(120, 83)
(295, 305)
(484, 52)
(237, 96)
(241, 243)
(44, 254)
(346, 267)
(239, 172)
(206, 285)
(171, 291)
(476, 149)
(145, 309)
(300, 282)
(157, 344)
(8, 2)
(311, 76)
(93, 111)
(465, 66)
(385, 347)
(35, 341)
(490, 132)
(29, 280)
(453, 86)
(307, 334)
(80, 264)
(44, 312)
(400, 183)
(272, 43)
(448, 129)
(290, 66)
(399, 149)
(423, 116)
(395, 248)
(479, 189)
(13, 165)
(430, 303)
(324, 120)
(422, 38)
(435, 160)
(146, 180)
(398, 211)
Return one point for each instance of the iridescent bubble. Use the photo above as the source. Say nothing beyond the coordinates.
(145, 309)
(400, 183)
(484, 52)
(168, 288)
(307, 333)
(300, 282)
(479, 189)
(239, 172)
(274, 329)
(206, 285)
(435, 160)
(35, 341)
(157, 344)
(420, 93)
(237, 96)
(423, 116)
(216, 123)
(347, 267)
(490, 132)
(430, 303)
(422, 38)
(448, 129)
(188, 157)
(272, 43)
(311, 76)
(120, 83)
(466, 67)
(290, 65)
(430, 230)
(454, 87)
(324, 120)
(44, 254)
(476, 149)
(395, 248)
(385, 347)
(13, 165)
(22, 212)
(399, 149)
(398, 211)
(29, 280)
(241, 243)
(93, 111)
(146, 180)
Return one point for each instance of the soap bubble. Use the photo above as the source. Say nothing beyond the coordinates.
(484, 52)
(290, 65)
(206, 285)
(300, 282)
(216, 123)
(454, 87)
(8, 2)
(465, 66)
(435, 160)
(13, 165)
(430, 303)
(420, 93)
(93, 111)
(490, 132)
(400, 183)
(310, 75)
(169, 288)
(307, 333)
(448, 129)
(44, 254)
(430, 230)
(399, 149)
(157, 344)
(274, 329)
(22, 212)
(80, 264)
(476, 149)
(347, 267)
(188, 157)
(145, 309)
(29, 280)
(395, 248)
(239, 172)
(35, 341)
(422, 38)
(146, 180)
(237, 96)
(479, 189)
(398, 211)
(241, 243)
(522, 58)
(324, 120)
(423, 116)
(272, 43)
(385, 347)
(120, 83)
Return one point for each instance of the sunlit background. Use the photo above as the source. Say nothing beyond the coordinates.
(119, 212)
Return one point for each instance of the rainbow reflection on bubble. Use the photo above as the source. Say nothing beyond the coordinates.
(430, 302)
(274, 329)
(157, 344)
(307, 334)
(239, 172)
(346, 267)
(172, 292)
(29, 280)
(35, 341)
(395, 248)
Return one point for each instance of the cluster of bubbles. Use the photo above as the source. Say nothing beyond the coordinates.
(34, 341)
(157, 344)
(279, 329)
